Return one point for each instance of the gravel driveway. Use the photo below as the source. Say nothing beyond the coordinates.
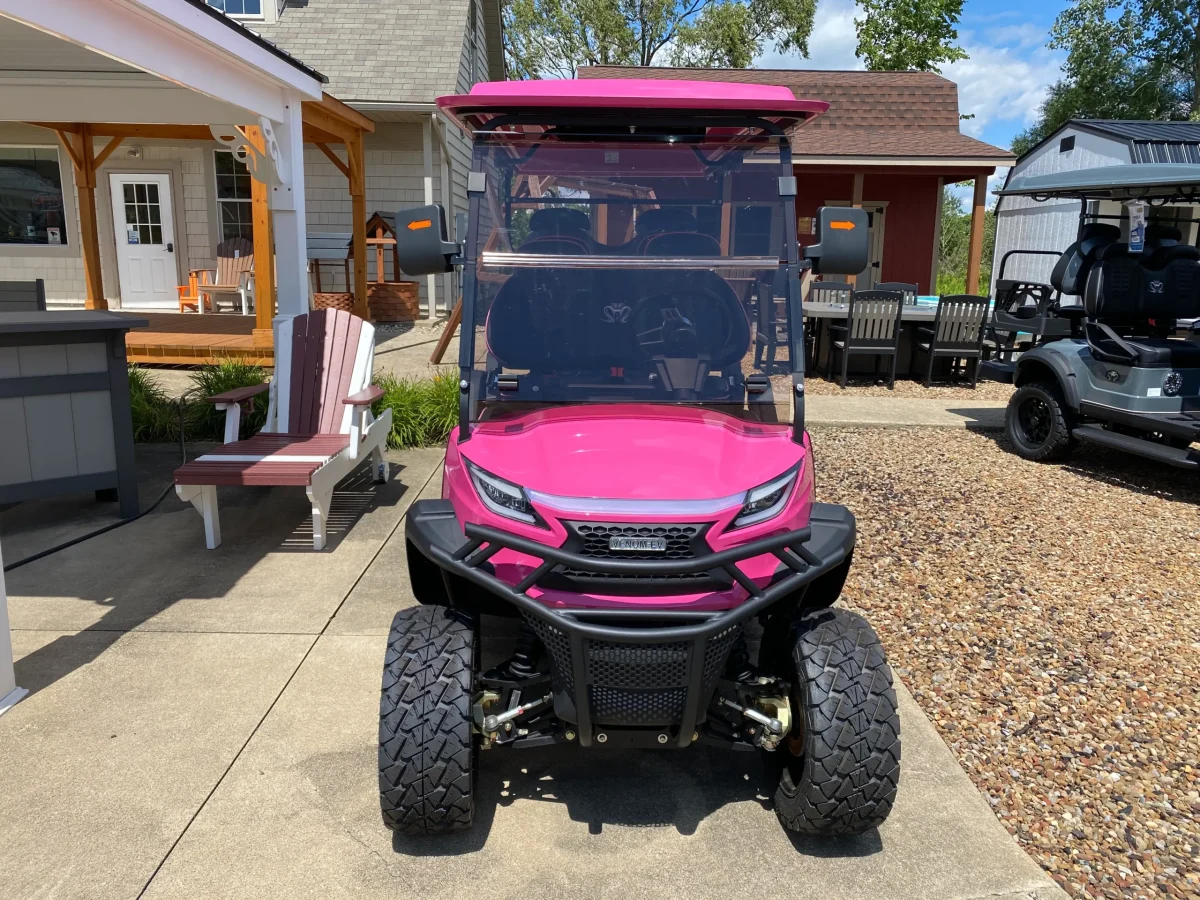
(1047, 618)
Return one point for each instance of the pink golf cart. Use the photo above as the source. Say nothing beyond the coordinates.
(630, 478)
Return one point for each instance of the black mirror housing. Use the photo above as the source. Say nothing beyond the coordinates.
(843, 244)
(421, 242)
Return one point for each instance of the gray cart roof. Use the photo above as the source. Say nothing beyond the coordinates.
(1169, 181)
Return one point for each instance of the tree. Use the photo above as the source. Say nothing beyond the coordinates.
(1126, 59)
(954, 245)
(553, 38)
(908, 34)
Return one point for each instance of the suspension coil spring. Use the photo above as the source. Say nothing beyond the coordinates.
(524, 659)
(737, 665)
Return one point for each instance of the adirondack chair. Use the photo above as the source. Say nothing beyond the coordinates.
(319, 425)
(233, 277)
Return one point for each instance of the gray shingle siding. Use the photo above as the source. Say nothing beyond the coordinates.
(383, 50)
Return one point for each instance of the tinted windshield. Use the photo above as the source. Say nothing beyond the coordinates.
(629, 270)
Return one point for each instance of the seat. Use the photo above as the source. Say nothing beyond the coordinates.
(1148, 353)
(910, 291)
(233, 277)
(558, 231)
(1070, 273)
(319, 424)
(872, 327)
(957, 332)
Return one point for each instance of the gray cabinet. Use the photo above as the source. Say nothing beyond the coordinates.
(65, 424)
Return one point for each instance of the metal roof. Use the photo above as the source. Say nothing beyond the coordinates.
(1151, 180)
(256, 38)
(1172, 132)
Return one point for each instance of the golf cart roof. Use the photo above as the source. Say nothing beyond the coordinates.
(1143, 181)
(628, 97)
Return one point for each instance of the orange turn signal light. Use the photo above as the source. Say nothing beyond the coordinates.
(842, 226)
(418, 224)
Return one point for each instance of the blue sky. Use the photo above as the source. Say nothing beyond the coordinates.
(1002, 83)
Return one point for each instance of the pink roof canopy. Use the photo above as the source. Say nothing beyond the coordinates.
(492, 98)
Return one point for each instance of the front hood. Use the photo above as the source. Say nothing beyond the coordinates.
(621, 452)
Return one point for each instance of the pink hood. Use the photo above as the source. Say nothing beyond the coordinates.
(633, 452)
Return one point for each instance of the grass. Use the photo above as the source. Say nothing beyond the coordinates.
(423, 412)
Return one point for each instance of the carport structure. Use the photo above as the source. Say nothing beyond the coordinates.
(97, 72)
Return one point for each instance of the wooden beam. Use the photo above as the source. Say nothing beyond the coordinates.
(149, 132)
(108, 151)
(314, 135)
(82, 151)
(264, 253)
(76, 161)
(356, 156)
(975, 251)
(856, 198)
(333, 109)
(317, 115)
(452, 324)
(333, 158)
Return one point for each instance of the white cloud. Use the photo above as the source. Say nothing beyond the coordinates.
(830, 46)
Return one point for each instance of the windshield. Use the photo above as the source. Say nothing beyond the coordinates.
(631, 270)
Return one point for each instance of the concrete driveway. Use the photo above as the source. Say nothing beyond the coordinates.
(202, 724)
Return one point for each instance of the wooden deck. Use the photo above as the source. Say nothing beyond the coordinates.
(190, 339)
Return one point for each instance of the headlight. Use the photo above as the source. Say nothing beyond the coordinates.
(767, 500)
(503, 497)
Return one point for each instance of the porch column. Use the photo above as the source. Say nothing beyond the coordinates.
(856, 198)
(9, 692)
(287, 209)
(427, 157)
(356, 156)
(264, 252)
(83, 160)
(975, 247)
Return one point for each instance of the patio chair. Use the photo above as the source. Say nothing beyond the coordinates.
(872, 327)
(233, 277)
(770, 328)
(910, 291)
(823, 292)
(957, 332)
(319, 425)
(23, 296)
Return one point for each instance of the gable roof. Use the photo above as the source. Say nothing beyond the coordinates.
(404, 51)
(1149, 141)
(884, 115)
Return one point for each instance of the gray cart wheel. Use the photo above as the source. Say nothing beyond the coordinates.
(427, 754)
(1038, 423)
(840, 765)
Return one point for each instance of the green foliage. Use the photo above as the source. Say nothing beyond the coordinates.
(553, 38)
(898, 35)
(423, 412)
(1126, 59)
(954, 246)
(155, 415)
(208, 381)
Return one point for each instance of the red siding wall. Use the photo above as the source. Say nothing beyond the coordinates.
(913, 202)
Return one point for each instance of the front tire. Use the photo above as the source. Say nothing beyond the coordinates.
(1038, 423)
(840, 765)
(427, 753)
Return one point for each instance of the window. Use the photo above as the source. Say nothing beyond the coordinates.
(238, 7)
(1066, 144)
(143, 213)
(233, 196)
(31, 197)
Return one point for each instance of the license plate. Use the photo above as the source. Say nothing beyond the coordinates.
(638, 544)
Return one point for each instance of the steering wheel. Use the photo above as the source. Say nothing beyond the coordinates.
(684, 324)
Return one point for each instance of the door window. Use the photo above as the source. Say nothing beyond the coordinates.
(143, 214)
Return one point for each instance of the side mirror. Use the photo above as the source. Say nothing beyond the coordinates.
(421, 241)
(843, 241)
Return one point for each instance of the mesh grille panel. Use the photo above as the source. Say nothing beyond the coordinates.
(620, 707)
(595, 537)
(638, 665)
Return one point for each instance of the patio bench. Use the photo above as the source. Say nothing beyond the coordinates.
(319, 424)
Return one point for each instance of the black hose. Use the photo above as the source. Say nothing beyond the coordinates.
(113, 525)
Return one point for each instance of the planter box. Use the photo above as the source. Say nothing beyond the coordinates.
(394, 301)
(333, 300)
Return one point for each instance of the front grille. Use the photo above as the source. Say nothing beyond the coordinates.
(595, 536)
(684, 541)
(635, 684)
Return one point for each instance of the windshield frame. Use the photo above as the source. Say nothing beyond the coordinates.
(789, 264)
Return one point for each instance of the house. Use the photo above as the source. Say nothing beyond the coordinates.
(889, 143)
(383, 60)
(1023, 223)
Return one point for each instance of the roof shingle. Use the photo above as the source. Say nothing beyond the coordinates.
(881, 114)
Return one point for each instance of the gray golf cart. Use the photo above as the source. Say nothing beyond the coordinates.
(1108, 355)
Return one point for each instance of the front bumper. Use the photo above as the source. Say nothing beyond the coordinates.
(633, 667)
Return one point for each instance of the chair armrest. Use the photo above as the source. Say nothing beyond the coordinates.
(237, 395)
(365, 397)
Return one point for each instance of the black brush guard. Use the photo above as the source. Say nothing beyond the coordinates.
(633, 675)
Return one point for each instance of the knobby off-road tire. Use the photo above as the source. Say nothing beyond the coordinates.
(427, 754)
(840, 766)
(1038, 423)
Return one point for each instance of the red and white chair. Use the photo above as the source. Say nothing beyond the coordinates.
(319, 424)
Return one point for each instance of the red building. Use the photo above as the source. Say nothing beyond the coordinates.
(889, 143)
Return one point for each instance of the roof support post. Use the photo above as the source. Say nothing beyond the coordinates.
(9, 692)
(937, 236)
(356, 156)
(81, 149)
(264, 253)
(427, 157)
(447, 204)
(856, 201)
(975, 251)
(287, 210)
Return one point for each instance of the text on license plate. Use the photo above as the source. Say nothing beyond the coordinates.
(638, 544)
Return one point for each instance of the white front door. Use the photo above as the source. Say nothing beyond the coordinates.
(145, 233)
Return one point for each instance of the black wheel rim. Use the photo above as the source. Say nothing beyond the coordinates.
(1034, 418)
